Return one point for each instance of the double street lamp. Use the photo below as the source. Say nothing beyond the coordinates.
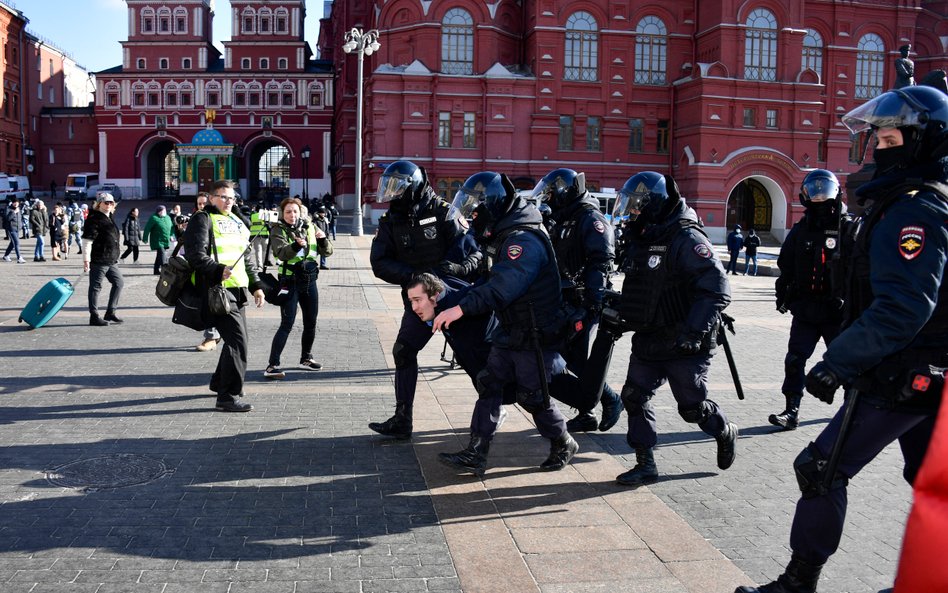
(363, 44)
(304, 154)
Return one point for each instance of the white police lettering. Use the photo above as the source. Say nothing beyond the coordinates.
(429, 220)
(226, 226)
(911, 242)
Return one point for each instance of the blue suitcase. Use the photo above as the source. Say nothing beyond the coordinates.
(47, 302)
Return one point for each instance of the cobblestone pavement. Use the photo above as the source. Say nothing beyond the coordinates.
(299, 496)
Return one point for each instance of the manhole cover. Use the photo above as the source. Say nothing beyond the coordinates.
(107, 472)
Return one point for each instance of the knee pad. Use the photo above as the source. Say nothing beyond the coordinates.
(404, 356)
(810, 467)
(531, 401)
(633, 398)
(793, 364)
(697, 414)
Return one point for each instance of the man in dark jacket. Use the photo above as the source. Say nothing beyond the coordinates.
(892, 351)
(100, 258)
(751, 243)
(415, 235)
(12, 221)
(231, 264)
(735, 242)
(523, 289)
(672, 298)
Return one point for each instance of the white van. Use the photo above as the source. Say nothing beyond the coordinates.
(82, 186)
(13, 185)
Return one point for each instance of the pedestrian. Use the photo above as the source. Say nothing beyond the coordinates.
(211, 337)
(132, 233)
(12, 221)
(585, 250)
(523, 288)
(52, 190)
(58, 231)
(293, 243)
(100, 258)
(260, 233)
(806, 284)
(39, 222)
(414, 236)
(333, 214)
(735, 242)
(26, 208)
(157, 233)
(77, 219)
(751, 243)
(232, 265)
(672, 297)
(322, 223)
(895, 325)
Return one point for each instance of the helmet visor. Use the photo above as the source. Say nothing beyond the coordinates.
(629, 205)
(820, 189)
(542, 192)
(392, 187)
(464, 203)
(891, 109)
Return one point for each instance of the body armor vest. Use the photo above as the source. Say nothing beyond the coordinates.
(569, 246)
(543, 296)
(652, 296)
(417, 240)
(813, 255)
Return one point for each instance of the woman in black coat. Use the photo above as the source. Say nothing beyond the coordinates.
(132, 231)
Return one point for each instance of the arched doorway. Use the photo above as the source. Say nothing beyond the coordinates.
(160, 178)
(206, 177)
(268, 173)
(750, 205)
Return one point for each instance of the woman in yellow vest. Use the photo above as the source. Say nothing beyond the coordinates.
(231, 239)
(293, 243)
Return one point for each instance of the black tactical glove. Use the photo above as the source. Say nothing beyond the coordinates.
(450, 268)
(688, 343)
(782, 306)
(822, 382)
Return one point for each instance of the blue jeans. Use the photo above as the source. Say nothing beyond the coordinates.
(748, 258)
(14, 245)
(40, 246)
(306, 296)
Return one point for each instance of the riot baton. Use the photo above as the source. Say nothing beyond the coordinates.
(727, 323)
(829, 471)
(541, 366)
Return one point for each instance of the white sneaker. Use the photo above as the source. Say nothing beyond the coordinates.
(21, 261)
(274, 372)
(7, 258)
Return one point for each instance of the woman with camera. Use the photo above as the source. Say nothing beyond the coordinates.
(293, 241)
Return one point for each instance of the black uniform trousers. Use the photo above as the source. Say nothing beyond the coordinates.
(505, 368)
(110, 272)
(413, 334)
(228, 378)
(818, 521)
(688, 378)
(570, 388)
(804, 336)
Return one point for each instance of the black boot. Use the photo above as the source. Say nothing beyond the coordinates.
(398, 426)
(561, 452)
(583, 422)
(799, 577)
(644, 472)
(726, 449)
(94, 319)
(472, 459)
(788, 419)
(611, 409)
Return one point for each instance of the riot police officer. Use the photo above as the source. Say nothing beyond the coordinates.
(523, 289)
(895, 325)
(806, 284)
(415, 235)
(672, 297)
(585, 249)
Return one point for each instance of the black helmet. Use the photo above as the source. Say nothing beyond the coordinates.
(919, 112)
(491, 194)
(402, 179)
(560, 188)
(646, 198)
(819, 186)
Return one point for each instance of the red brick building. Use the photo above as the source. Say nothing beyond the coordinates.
(737, 100)
(12, 112)
(268, 98)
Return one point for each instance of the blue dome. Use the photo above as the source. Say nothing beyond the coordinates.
(207, 138)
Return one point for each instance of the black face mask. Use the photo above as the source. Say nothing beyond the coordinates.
(890, 159)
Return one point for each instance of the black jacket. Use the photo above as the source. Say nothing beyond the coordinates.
(101, 230)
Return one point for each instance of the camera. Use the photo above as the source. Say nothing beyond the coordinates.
(181, 219)
(610, 319)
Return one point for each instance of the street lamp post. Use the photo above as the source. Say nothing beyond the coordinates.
(363, 44)
(28, 153)
(304, 154)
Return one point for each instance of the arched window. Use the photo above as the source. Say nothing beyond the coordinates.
(180, 20)
(240, 95)
(113, 95)
(315, 92)
(273, 94)
(265, 20)
(457, 42)
(282, 63)
(255, 94)
(651, 48)
(870, 60)
(582, 47)
(162, 63)
(148, 21)
(164, 20)
(247, 20)
(212, 94)
(138, 94)
(185, 92)
(813, 52)
(171, 95)
(760, 46)
(288, 94)
(281, 19)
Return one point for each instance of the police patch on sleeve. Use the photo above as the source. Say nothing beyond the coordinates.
(514, 251)
(601, 228)
(702, 250)
(911, 242)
